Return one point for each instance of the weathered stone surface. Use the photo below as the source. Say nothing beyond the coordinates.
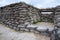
(57, 17)
(20, 13)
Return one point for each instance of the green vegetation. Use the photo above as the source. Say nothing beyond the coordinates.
(35, 22)
(42, 20)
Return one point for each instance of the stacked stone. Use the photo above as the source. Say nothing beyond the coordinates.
(16, 15)
(57, 17)
(47, 17)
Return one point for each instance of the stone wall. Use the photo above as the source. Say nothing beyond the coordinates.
(47, 15)
(47, 18)
(19, 13)
(57, 17)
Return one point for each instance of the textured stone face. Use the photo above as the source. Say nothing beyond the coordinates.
(57, 16)
(47, 16)
(19, 13)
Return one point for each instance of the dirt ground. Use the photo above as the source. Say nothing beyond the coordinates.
(42, 37)
(9, 34)
(44, 24)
